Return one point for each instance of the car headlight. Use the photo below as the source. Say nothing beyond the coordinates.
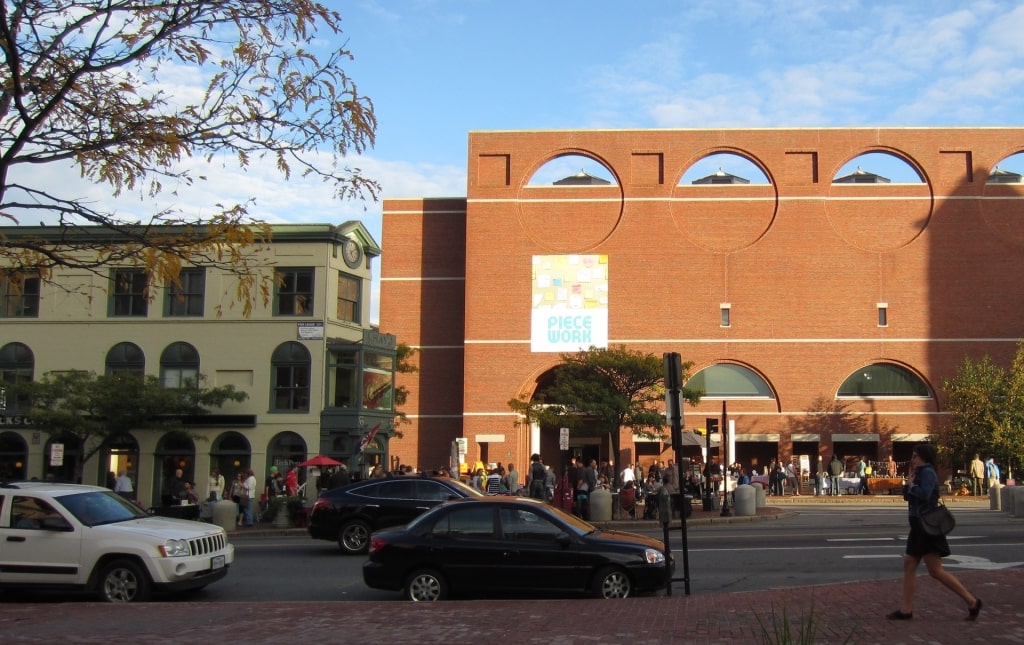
(653, 556)
(174, 548)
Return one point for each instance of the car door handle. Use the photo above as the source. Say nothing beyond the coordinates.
(15, 538)
(509, 554)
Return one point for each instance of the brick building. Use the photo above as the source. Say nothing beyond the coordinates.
(799, 294)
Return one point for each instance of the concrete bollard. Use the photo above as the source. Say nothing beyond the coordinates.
(1018, 501)
(745, 500)
(225, 513)
(1006, 498)
(600, 505)
(994, 500)
(760, 499)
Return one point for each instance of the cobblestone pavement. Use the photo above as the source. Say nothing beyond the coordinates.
(852, 612)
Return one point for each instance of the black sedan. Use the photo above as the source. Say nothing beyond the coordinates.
(350, 513)
(511, 545)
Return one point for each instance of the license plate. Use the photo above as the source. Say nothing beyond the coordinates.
(217, 562)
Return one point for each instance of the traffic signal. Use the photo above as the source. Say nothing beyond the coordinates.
(711, 425)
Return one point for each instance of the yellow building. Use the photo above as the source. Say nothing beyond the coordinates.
(319, 379)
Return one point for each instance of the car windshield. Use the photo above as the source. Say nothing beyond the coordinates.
(101, 507)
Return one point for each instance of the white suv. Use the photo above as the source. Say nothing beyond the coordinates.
(90, 538)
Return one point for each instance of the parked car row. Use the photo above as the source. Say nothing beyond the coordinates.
(455, 541)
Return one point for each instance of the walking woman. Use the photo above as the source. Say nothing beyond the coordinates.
(921, 494)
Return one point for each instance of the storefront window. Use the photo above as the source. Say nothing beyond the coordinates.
(378, 382)
(343, 369)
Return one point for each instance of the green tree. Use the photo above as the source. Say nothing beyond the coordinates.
(87, 84)
(600, 390)
(95, 408)
(403, 365)
(986, 405)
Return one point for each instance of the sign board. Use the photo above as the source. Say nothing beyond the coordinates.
(56, 454)
(463, 444)
(311, 330)
(563, 438)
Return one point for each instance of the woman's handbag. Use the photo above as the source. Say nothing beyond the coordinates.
(937, 520)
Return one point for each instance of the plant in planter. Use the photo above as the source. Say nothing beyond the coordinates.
(281, 510)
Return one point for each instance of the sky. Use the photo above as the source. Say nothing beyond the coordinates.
(439, 69)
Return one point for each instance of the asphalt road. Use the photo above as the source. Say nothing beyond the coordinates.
(817, 545)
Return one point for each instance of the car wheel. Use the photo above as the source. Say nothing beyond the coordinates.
(354, 537)
(426, 585)
(612, 582)
(124, 581)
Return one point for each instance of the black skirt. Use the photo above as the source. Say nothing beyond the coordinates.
(920, 543)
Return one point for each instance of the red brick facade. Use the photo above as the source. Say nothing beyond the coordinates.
(802, 262)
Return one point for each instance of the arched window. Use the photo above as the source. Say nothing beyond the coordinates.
(291, 366)
(17, 365)
(883, 379)
(126, 358)
(179, 366)
(728, 380)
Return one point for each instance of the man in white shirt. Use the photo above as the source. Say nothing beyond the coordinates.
(123, 485)
(627, 475)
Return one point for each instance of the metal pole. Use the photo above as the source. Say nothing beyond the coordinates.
(723, 443)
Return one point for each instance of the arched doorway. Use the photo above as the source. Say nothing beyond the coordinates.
(231, 453)
(175, 450)
(70, 448)
(285, 450)
(13, 457)
(119, 453)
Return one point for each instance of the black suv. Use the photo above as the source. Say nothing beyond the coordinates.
(349, 514)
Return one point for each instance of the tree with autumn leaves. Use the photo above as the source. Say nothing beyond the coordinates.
(597, 391)
(96, 85)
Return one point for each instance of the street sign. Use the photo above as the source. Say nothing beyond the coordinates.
(563, 438)
(57, 454)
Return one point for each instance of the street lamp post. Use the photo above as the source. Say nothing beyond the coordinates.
(723, 450)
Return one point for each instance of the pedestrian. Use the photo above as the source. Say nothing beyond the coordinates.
(835, 471)
(291, 481)
(862, 473)
(922, 493)
(123, 485)
(340, 477)
(215, 486)
(493, 482)
(250, 491)
(991, 473)
(512, 479)
(537, 476)
(977, 475)
(550, 481)
(239, 497)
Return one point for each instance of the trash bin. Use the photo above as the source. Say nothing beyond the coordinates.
(225, 514)
(600, 505)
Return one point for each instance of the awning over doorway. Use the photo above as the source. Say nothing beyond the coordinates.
(863, 437)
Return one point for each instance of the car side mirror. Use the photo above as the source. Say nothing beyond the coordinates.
(563, 539)
(58, 524)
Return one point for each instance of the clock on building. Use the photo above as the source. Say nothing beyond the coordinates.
(352, 253)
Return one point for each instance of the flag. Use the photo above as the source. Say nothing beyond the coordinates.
(368, 438)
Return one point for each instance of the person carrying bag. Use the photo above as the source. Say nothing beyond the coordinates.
(922, 495)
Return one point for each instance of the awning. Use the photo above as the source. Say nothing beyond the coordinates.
(860, 437)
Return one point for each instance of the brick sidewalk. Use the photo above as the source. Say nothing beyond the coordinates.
(854, 611)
